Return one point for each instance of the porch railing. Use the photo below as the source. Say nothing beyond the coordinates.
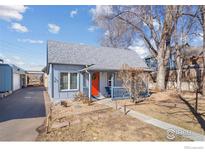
(120, 93)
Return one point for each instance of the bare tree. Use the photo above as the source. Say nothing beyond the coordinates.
(183, 33)
(153, 24)
(134, 81)
(201, 18)
(200, 15)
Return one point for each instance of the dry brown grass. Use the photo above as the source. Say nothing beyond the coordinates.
(168, 107)
(80, 97)
(101, 124)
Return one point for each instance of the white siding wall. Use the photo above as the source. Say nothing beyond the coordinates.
(16, 81)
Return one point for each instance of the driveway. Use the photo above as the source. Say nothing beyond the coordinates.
(21, 113)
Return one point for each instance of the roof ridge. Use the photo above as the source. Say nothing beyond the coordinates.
(82, 44)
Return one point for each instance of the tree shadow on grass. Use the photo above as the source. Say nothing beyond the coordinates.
(197, 115)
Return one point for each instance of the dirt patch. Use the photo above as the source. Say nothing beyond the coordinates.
(75, 108)
(169, 107)
(100, 124)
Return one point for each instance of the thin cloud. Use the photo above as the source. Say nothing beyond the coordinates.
(18, 61)
(73, 13)
(19, 28)
(9, 13)
(53, 28)
(31, 41)
(92, 28)
(140, 48)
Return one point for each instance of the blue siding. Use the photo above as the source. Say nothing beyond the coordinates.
(118, 92)
(50, 81)
(6, 73)
(57, 93)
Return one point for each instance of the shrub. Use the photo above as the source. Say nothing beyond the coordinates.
(80, 97)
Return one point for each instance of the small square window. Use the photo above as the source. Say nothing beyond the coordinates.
(63, 81)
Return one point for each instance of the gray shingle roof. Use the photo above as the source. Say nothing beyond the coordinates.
(102, 58)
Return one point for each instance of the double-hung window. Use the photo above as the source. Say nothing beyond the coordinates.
(68, 81)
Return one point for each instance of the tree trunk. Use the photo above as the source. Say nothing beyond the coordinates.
(164, 47)
(203, 69)
(161, 71)
(179, 77)
(179, 68)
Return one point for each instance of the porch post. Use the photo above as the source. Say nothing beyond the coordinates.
(112, 85)
(89, 85)
(81, 84)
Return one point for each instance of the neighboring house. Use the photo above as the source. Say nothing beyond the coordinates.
(35, 78)
(151, 62)
(193, 56)
(192, 65)
(190, 56)
(11, 78)
(74, 68)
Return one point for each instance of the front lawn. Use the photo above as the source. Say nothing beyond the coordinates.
(99, 123)
(169, 107)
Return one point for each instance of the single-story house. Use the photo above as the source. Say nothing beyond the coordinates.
(11, 78)
(74, 68)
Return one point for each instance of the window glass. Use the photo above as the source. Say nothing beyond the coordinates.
(63, 81)
(73, 80)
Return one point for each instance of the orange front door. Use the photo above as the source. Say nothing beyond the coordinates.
(95, 84)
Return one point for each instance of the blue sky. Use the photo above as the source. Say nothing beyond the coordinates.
(24, 31)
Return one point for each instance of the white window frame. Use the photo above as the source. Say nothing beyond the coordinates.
(68, 73)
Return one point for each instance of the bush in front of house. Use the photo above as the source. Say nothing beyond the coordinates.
(80, 97)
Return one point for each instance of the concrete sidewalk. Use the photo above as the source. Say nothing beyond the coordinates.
(170, 128)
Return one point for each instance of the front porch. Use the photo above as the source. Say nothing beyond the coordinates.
(104, 84)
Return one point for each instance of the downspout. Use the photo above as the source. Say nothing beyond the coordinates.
(52, 87)
(89, 82)
(90, 85)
